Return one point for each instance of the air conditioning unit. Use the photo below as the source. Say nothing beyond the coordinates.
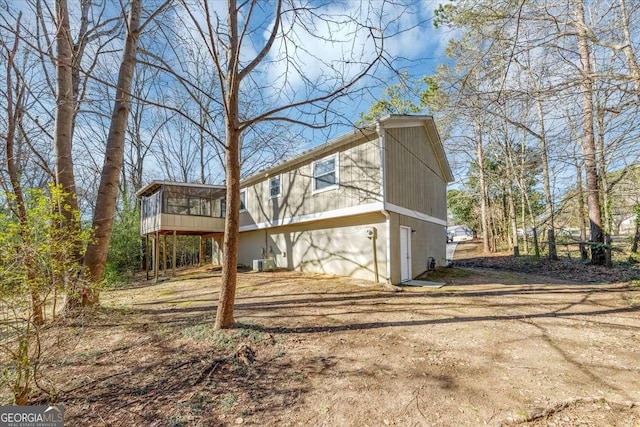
(268, 264)
(265, 264)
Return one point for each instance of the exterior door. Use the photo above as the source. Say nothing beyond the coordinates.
(405, 253)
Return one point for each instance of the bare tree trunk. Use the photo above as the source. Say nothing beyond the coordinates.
(588, 140)
(546, 183)
(511, 203)
(632, 61)
(201, 143)
(523, 193)
(534, 224)
(603, 180)
(224, 315)
(514, 223)
(63, 131)
(96, 256)
(14, 115)
(484, 215)
(581, 213)
(636, 236)
(523, 215)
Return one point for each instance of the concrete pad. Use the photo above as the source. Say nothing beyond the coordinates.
(423, 283)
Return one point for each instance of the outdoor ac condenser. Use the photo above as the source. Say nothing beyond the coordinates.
(268, 264)
(265, 264)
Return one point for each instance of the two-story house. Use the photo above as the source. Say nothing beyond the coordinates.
(370, 204)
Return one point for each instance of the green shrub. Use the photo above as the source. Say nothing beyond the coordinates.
(124, 255)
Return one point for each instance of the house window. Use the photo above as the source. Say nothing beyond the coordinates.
(223, 208)
(187, 205)
(243, 200)
(325, 173)
(274, 186)
(151, 205)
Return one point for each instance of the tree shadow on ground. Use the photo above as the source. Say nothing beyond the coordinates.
(157, 377)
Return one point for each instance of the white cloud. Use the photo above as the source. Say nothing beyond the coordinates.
(332, 43)
(337, 42)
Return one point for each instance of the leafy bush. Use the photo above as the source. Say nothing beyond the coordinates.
(124, 247)
(38, 262)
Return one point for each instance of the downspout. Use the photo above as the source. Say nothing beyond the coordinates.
(383, 192)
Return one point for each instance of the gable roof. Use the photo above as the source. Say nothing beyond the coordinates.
(374, 129)
(390, 121)
(400, 120)
(311, 154)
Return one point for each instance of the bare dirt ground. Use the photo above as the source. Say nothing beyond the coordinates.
(489, 348)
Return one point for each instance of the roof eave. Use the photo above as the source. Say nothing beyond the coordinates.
(316, 152)
(153, 185)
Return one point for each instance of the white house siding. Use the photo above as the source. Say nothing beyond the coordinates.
(336, 246)
(358, 176)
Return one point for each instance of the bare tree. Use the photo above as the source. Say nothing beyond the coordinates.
(96, 255)
(588, 137)
(246, 70)
(65, 112)
(15, 94)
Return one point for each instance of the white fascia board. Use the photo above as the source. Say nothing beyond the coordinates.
(414, 214)
(404, 124)
(336, 213)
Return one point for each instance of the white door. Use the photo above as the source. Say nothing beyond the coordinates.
(405, 253)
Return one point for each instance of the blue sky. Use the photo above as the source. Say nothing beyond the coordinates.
(417, 48)
(327, 43)
(323, 47)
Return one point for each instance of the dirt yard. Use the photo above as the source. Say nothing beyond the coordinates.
(489, 348)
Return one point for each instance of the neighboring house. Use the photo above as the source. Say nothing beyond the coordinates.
(370, 204)
(627, 226)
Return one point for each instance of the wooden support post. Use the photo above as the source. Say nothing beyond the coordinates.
(219, 250)
(173, 257)
(164, 254)
(156, 257)
(201, 258)
(146, 256)
(213, 247)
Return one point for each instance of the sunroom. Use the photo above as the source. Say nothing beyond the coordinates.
(171, 208)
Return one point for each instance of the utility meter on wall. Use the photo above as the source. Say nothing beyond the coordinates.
(371, 232)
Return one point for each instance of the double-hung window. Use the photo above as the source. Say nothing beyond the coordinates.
(274, 186)
(243, 200)
(325, 173)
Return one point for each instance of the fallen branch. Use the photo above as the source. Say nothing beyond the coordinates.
(547, 412)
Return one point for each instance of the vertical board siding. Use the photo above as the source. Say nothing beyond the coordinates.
(414, 178)
(359, 183)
